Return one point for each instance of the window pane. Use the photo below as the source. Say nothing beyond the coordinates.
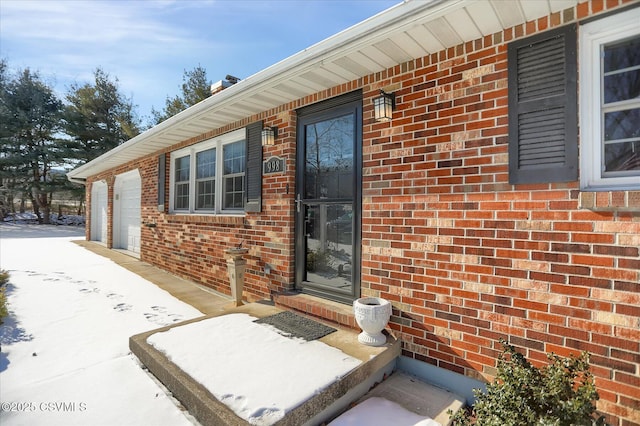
(205, 194)
(182, 196)
(622, 86)
(621, 55)
(233, 192)
(234, 157)
(329, 158)
(182, 166)
(182, 169)
(237, 164)
(621, 65)
(623, 156)
(622, 124)
(233, 183)
(206, 164)
(329, 245)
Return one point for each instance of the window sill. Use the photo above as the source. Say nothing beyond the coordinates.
(623, 201)
(232, 220)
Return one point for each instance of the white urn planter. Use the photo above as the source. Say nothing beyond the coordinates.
(372, 315)
(236, 265)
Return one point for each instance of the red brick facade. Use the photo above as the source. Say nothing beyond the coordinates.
(465, 257)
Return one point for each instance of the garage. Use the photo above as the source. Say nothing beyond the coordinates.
(126, 212)
(99, 212)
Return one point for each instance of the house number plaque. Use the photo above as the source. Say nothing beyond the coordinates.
(273, 165)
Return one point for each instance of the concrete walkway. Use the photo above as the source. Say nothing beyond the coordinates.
(203, 299)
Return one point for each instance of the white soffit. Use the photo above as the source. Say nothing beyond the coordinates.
(533, 9)
(409, 30)
(464, 25)
(509, 12)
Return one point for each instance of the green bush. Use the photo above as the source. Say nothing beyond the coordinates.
(4, 278)
(560, 393)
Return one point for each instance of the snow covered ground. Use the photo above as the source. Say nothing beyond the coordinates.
(65, 356)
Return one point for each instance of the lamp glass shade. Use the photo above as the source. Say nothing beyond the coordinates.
(383, 108)
(268, 136)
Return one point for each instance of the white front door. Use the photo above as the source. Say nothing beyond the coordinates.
(99, 212)
(126, 212)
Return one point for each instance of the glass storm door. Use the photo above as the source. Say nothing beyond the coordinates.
(328, 201)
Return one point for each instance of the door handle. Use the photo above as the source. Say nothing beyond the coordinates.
(298, 202)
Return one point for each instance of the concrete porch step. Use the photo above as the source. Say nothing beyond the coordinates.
(377, 363)
(415, 396)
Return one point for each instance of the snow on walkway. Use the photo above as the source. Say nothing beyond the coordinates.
(65, 356)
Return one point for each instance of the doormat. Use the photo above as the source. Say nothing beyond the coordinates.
(294, 325)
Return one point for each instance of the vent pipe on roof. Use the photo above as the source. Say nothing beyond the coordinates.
(231, 79)
(223, 84)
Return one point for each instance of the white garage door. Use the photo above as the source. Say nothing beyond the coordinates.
(126, 232)
(99, 212)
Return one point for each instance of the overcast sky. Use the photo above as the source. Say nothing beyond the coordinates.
(147, 44)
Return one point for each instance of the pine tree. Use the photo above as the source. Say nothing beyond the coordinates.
(195, 88)
(29, 148)
(97, 118)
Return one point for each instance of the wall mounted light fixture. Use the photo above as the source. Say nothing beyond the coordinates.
(269, 135)
(384, 105)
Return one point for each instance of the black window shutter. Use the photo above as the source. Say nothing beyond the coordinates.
(162, 170)
(543, 123)
(253, 180)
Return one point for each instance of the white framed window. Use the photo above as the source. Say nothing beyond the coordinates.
(209, 177)
(610, 102)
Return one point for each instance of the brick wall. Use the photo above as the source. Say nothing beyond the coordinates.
(192, 246)
(465, 257)
(468, 259)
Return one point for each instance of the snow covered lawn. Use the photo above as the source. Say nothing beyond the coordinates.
(65, 357)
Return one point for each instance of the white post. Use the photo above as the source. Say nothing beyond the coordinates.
(236, 265)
